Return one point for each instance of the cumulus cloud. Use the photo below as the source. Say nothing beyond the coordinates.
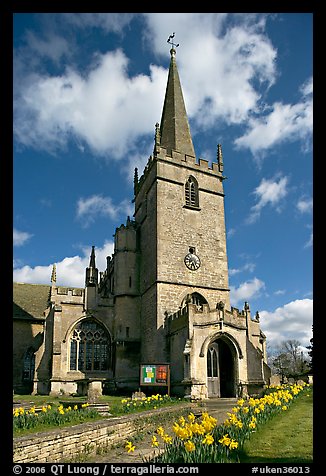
(304, 205)
(70, 271)
(100, 109)
(292, 321)
(214, 89)
(246, 291)
(284, 122)
(269, 192)
(99, 106)
(20, 237)
(90, 208)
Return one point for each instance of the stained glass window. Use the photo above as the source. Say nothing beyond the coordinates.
(89, 347)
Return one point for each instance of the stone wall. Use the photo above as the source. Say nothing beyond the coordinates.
(67, 443)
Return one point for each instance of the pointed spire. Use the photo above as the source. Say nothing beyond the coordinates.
(91, 271)
(92, 259)
(175, 130)
(54, 275)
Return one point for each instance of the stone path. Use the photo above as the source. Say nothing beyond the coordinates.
(216, 407)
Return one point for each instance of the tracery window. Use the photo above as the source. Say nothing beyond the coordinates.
(191, 192)
(89, 347)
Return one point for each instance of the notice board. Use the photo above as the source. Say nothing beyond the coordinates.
(155, 374)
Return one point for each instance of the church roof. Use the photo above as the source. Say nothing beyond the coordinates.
(30, 300)
(174, 129)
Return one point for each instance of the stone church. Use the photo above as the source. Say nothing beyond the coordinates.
(163, 298)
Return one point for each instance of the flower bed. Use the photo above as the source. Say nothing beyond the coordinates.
(50, 416)
(202, 440)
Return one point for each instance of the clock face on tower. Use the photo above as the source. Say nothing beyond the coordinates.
(192, 261)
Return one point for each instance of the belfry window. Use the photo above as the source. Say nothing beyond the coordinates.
(191, 192)
(89, 347)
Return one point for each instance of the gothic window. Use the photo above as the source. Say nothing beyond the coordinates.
(212, 360)
(89, 347)
(191, 192)
(29, 365)
(194, 298)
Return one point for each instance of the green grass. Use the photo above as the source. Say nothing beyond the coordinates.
(287, 438)
(116, 408)
(40, 400)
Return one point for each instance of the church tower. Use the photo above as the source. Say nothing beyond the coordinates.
(179, 207)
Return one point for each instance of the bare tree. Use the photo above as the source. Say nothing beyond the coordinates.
(288, 360)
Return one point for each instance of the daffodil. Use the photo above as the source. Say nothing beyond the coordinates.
(208, 440)
(233, 445)
(129, 446)
(225, 440)
(154, 441)
(189, 445)
(191, 417)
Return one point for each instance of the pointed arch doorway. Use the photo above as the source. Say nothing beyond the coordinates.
(221, 369)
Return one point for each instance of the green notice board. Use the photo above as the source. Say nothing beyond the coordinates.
(155, 374)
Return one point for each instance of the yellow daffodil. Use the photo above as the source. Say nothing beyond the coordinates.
(225, 440)
(167, 439)
(208, 440)
(154, 441)
(233, 445)
(189, 445)
(129, 446)
(191, 417)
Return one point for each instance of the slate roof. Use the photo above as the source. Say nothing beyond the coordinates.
(30, 300)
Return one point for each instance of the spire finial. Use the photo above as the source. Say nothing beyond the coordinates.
(220, 157)
(174, 45)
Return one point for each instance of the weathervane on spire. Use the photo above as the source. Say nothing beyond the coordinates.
(170, 40)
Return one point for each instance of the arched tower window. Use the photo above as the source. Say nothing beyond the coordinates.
(194, 298)
(191, 192)
(90, 347)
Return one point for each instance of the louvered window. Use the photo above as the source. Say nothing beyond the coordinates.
(191, 192)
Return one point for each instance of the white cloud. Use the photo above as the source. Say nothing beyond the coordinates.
(309, 243)
(90, 208)
(269, 192)
(291, 321)
(280, 292)
(285, 122)
(214, 89)
(107, 21)
(246, 291)
(304, 205)
(250, 267)
(70, 271)
(99, 107)
(20, 237)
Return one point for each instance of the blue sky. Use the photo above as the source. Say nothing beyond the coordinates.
(88, 90)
